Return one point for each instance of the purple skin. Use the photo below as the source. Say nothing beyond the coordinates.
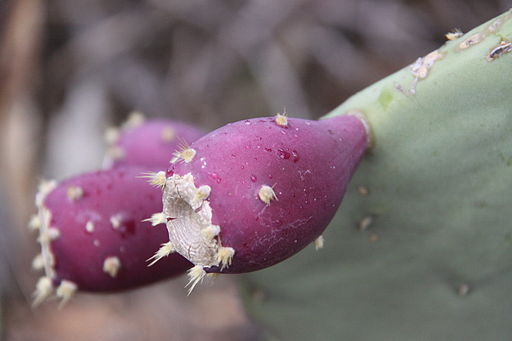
(96, 236)
(308, 164)
(149, 143)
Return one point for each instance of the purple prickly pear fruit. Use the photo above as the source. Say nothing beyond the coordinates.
(255, 192)
(147, 143)
(93, 237)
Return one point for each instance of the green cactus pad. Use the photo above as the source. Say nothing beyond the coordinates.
(421, 248)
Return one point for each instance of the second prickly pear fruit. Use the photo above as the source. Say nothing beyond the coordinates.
(93, 236)
(147, 142)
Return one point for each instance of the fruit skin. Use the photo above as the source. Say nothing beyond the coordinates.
(306, 163)
(115, 202)
(148, 143)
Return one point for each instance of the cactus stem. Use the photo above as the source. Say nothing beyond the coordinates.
(267, 194)
(167, 134)
(44, 288)
(319, 243)
(224, 256)
(195, 275)
(111, 266)
(89, 226)
(157, 219)
(74, 193)
(65, 292)
(165, 250)
(480, 36)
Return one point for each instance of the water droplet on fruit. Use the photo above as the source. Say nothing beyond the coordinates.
(295, 156)
(128, 228)
(253, 178)
(283, 154)
(216, 177)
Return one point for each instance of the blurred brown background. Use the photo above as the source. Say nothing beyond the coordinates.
(70, 68)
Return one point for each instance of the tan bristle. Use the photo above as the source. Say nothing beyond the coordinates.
(167, 134)
(185, 154)
(319, 243)
(89, 226)
(281, 120)
(224, 256)
(111, 135)
(116, 221)
(135, 119)
(111, 266)
(34, 223)
(74, 193)
(38, 262)
(195, 275)
(65, 292)
(44, 289)
(267, 194)
(157, 219)
(165, 250)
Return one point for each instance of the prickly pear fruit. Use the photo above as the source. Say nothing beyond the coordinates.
(147, 142)
(93, 236)
(253, 193)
